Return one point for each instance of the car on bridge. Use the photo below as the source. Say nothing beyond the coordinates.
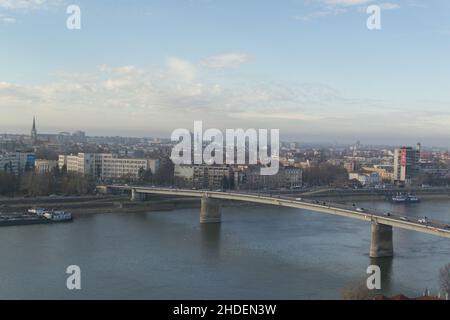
(360, 209)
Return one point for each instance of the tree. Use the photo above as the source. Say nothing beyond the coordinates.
(325, 174)
(164, 176)
(225, 183)
(145, 176)
(357, 291)
(355, 183)
(8, 183)
(34, 184)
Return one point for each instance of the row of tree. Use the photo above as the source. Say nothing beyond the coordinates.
(325, 174)
(163, 176)
(33, 184)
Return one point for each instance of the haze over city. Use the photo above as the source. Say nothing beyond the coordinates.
(310, 68)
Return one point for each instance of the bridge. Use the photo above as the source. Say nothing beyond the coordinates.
(382, 222)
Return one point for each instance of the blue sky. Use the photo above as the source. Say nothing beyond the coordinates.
(308, 67)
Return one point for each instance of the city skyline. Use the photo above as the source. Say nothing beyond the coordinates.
(315, 71)
(35, 136)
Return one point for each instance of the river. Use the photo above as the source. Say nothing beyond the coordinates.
(256, 253)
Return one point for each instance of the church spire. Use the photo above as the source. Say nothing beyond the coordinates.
(34, 132)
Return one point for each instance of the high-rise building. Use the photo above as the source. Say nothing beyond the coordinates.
(406, 165)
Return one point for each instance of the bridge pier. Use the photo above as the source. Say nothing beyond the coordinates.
(211, 211)
(382, 244)
(136, 196)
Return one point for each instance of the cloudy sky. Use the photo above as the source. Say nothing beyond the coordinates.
(308, 67)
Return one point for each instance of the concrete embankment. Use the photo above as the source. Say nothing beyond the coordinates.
(373, 195)
(347, 198)
(102, 204)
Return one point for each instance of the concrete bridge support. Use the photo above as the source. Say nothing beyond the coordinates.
(211, 211)
(382, 245)
(136, 196)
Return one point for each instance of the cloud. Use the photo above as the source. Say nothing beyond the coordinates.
(328, 11)
(182, 68)
(162, 99)
(29, 4)
(326, 8)
(347, 2)
(7, 19)
(227, 60)
(389, 6)
(144, 101)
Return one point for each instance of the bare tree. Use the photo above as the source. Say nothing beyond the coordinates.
(444, 278)
(356, 291)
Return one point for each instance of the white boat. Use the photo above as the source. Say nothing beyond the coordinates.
(37, 211)
(413, 199)
(405, 199)
(58, 216)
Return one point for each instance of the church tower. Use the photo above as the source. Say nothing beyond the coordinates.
(34, 133)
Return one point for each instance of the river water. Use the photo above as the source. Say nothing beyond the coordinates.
(256, 253)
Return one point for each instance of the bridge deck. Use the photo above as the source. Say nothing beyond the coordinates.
(432, 227)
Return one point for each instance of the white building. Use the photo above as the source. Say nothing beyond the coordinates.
(113, 167)
(366, 179)
(107, 166)
(45, 166)
(202, 176)
(249, 178)
(184, 175)
(83, 163)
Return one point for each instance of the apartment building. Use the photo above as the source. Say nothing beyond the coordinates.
(250, 178)
(17, 162)
(114, 168)
(107, 166)
(45, 166)
(203, 176)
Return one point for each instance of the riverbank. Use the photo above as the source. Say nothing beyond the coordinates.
(103, 204)
(346, 195)
(372, 197)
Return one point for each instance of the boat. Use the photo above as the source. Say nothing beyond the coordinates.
(37, 211)
(399, 198)
(35, 216)
(413, 199)
(58, 216)
(18, 220)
